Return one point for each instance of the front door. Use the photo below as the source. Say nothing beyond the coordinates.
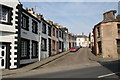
(49, 47)
(118, 46)
(2, 56)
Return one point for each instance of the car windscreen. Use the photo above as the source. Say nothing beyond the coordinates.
(74, 47)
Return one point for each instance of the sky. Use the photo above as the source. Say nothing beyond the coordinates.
(78, 17)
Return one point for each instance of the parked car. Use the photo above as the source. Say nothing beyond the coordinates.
(75, 48)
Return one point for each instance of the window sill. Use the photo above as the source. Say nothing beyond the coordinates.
(7, 23)
(25, 29)
(43, 32)
(35, 32)
(34, 56)
(24, 58)
(43, 50)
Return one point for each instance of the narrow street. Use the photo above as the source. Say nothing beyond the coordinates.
(79, 57)
(37, 39)
(72, 65)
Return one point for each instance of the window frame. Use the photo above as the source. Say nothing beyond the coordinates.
(53, 31)
(118, 27)
(60, 34)
(56, 33)
(98, 31)
(34, 53)
(100, 47)
(27, 49)
(34, 26)
(60, 45)
(49, 31)
(43, 44)
(44, 28)
(8, 16)
(25, 23)
(53, 48)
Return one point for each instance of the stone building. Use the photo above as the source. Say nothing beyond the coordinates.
(82, 40)
(107, 36)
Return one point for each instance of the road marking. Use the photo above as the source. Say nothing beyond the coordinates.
(108, 75)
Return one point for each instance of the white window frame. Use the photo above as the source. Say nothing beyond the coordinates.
(24, 22)
(44, 44)
(34, 49)
(1, 15)
(44, 26)
(34, 27)
(24, 49)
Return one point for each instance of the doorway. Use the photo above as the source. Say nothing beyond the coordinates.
(4, 55)
(3, 51)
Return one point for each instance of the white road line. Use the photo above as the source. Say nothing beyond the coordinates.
(108, 75)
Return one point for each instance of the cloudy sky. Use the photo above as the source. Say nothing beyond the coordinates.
(78, 17)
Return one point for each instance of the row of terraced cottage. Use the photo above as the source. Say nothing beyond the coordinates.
(26, 37)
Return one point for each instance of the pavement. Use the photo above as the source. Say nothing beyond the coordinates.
(81, 59)
(99, 58)
(6, 72)
(72, 65)
(88, 72)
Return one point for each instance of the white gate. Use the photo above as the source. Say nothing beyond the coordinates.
(2, 56)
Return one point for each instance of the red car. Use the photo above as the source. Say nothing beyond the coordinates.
(75, 48)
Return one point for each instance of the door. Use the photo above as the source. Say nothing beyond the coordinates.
(118, 46)
(49, 47)
(2, 56)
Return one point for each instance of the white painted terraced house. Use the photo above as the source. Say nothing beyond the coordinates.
(26, 37)
(9, 37)
(23, 36)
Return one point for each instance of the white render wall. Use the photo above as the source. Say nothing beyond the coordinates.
(45, 54)
(81, 42)
(32, 36)
(7, 32)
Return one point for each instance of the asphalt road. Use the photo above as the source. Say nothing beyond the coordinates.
(92, 72)
(74, 65)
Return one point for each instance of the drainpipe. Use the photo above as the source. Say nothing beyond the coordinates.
(39, 55)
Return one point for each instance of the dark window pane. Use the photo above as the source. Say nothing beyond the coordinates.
(2, 53)
(2, 62)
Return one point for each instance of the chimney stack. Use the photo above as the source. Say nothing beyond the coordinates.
(49, 21)
(31, 11)
(109, 16)
(38, 16)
